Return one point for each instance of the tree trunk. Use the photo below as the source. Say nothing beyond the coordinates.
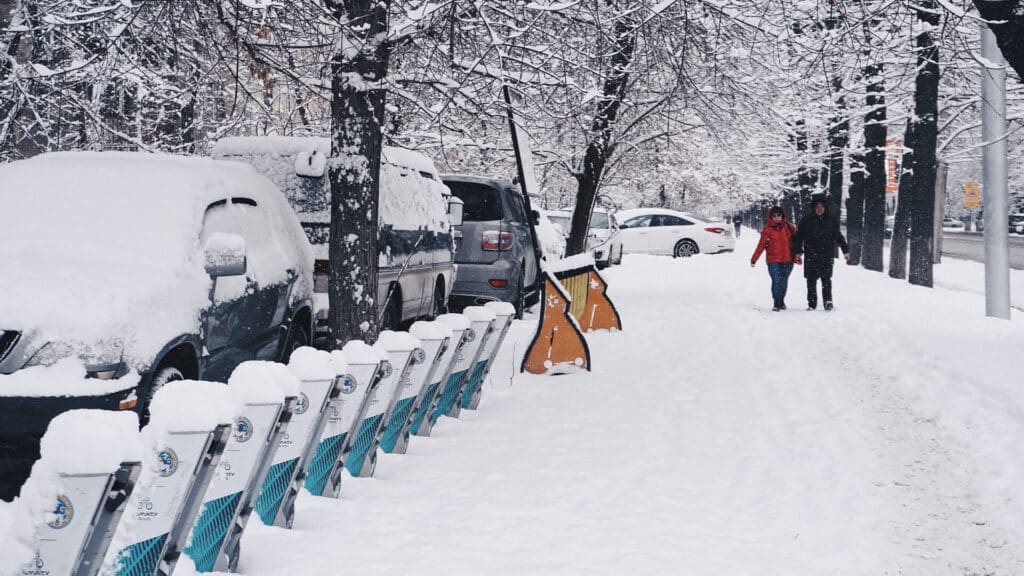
(838, 138)
(874, 165)
(855, 209)
(1007, 23)
(600, 148)
(926, 113)
(357, 114)
(905, 199)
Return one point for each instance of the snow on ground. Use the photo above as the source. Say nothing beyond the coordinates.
(712, 437)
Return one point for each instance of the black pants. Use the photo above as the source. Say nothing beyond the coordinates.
(812, 288)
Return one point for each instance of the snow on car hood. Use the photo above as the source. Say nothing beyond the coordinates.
(101, 250)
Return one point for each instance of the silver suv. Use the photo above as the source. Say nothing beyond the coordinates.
(497, 252)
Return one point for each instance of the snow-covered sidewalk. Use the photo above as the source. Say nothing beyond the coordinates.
(712, 437)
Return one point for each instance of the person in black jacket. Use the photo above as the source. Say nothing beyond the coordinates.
(816, 239)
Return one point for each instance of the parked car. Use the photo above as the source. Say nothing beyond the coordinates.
(952, 224)
(497, 252)
(416, 269)
(603, 239)
(149, 266)
(1016, 223)
(662, 231)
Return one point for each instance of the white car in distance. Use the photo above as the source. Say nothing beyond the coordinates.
(603, 239)
(663, 231)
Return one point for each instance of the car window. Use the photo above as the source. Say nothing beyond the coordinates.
(669, 220)
(481, 202)
(518, 210)
(599, 220)
(638, 222)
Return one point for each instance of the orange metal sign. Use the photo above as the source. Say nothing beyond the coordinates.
(893, 160)
(558, 346)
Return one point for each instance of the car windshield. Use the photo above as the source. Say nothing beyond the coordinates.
(560, 221)
(481, 202)
(599, 220)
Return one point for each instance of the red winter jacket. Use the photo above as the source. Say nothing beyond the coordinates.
(776, 241)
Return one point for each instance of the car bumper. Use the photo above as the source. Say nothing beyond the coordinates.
(472, 286)
(25, 420)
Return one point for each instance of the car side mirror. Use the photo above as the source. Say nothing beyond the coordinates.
(455, 206)
(225, 255)
(310, 164)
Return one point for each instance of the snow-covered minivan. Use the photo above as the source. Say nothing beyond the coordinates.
(416, 268)
(142, 268)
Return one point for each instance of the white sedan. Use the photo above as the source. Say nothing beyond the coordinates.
(662, 231)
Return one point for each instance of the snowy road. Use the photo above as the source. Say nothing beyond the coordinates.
(712, 437)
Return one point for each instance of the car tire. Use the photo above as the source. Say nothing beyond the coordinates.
(297, 338)
(685, 249)
(392, 315)
(520, 294)
(162, 376)
(438, 306)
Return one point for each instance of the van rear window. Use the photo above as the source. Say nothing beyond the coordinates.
(481, 202)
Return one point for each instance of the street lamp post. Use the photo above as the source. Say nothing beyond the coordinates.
(996, 197)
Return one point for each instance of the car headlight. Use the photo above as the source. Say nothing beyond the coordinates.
(106, 371)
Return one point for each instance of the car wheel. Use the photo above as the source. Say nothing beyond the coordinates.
(438, 307)
(297, 338)
(162, 376)
(392, 316)
(520, 295)
(685, 248)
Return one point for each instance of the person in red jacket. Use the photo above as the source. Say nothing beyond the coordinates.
(776, 243)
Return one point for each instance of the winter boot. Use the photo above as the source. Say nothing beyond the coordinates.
(828, 306)
(782, 304)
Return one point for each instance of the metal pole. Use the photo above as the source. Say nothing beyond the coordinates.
(996, 207)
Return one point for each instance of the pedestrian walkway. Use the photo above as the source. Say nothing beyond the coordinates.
(712, 437)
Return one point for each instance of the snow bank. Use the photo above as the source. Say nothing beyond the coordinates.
(311, 364)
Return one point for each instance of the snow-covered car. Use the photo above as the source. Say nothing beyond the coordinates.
(145, 267)
(663, 231)
(603, 239)
(415, 268)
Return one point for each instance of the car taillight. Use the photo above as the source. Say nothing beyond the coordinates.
(321, 266)
(715, 230)
(498, 283)
(494, 240)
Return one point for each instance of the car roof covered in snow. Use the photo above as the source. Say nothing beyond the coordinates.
(291, 145)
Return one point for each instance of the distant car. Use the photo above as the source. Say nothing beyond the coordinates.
(1017, 223)
(952, 224)
(496, 254)
(158, 267)
(603, 239)
(662, 231)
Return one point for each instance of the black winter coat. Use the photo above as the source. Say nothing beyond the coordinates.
(816, 238)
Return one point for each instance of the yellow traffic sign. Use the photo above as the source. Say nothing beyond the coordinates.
(972, 194)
